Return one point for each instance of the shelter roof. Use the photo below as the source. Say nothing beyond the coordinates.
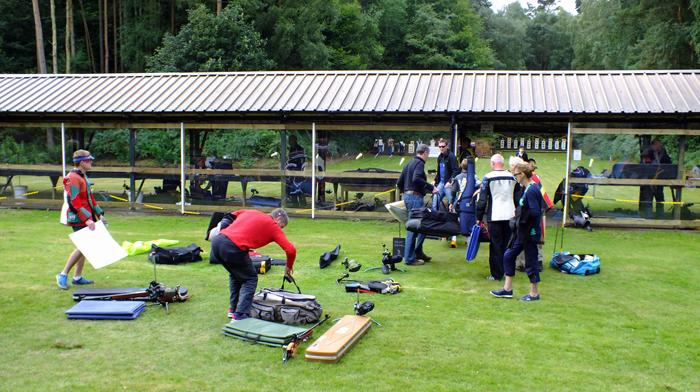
(349, 96)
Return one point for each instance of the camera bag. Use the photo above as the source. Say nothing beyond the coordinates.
(286, 307)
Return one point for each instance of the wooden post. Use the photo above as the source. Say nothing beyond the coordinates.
(132, 164)
(681, 175)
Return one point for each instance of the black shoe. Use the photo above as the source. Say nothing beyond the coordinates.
(503, 293)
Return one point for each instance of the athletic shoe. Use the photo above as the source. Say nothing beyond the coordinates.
(62, 281)
(503, 293)
(415, 262)
(423, 257)
(230, 312)
(80, 281)
(453, 244)
(236, 318)
(490, 277)
(529, 298)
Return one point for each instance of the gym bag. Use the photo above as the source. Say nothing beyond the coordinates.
(432, 222)
(576, 264)
(282, 306)
(175, 255)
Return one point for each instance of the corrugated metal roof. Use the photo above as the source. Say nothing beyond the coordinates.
(575, 92)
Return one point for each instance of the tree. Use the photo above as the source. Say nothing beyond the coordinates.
(293, 30)
(446, 41)
(507, 32)
(40, 58)
(210, 43)
(354, 39)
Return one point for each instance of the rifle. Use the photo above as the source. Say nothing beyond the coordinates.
(291, 349)
(155, 292)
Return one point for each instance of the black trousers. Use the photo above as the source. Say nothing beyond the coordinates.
(500, 234)
(243, 279)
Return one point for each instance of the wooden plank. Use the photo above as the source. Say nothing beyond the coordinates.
(632, 181)
(667, 224)
(635, 131)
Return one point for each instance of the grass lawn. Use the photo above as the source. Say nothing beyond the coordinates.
(632, 327)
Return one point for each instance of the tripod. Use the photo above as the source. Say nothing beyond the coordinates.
(388, 262)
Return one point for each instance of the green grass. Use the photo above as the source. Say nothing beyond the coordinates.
(632, 327)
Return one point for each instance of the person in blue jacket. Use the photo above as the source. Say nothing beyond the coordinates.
(528, 215)
(463, 190)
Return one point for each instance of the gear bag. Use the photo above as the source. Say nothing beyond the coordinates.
(576, 264)
(428, 221)
(175, 255)
(282, 306)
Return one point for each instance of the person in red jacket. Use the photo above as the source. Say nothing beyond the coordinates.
(82, 212)
(250, 229)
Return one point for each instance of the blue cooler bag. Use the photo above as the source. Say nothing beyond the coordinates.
(576, 264)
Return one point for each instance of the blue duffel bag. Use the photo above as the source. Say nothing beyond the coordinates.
(576, 264)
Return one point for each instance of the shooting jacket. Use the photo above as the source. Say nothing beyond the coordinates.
(81, 203)
(498, 197)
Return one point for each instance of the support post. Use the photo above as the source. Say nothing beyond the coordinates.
(565, 198)
(313, 170)
(182, 167)
(283, 162)
(681, 176)
(63, 147)
(132, 164)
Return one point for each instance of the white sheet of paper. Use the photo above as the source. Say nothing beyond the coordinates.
(98, 246)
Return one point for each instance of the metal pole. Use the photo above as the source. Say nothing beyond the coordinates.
(182, 167)
(283, 163)
(313, 170)
(63, 146)
(565, 198)
(456, 144)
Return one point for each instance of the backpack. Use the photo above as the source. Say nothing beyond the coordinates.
(576, 264)
(175, 254)
(279, 305)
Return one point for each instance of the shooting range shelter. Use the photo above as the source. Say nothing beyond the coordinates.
(504, 102)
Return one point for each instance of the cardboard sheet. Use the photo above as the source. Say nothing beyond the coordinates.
(98, 246)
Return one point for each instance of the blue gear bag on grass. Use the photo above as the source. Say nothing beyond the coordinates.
(576, 264)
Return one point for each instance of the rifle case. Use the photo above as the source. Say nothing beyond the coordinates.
(107, 292)
(263, 332)
(338, 340)
(473, 247)
(106, 310)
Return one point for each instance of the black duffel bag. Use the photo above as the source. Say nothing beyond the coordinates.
(175, 254)
(428, 221)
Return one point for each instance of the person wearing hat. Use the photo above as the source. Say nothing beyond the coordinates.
(83, 211)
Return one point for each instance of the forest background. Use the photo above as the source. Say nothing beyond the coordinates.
(135, 36)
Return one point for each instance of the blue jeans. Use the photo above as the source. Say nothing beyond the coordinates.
(442, 193)
(243, 279)
(414, 241)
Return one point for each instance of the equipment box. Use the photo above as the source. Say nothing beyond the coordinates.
(333, 344)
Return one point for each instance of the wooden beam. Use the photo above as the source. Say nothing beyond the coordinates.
(635, 131)
(632, 181)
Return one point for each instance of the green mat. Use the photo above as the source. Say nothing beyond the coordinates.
(263, 332)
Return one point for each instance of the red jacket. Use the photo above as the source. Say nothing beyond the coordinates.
(254, 229)
(81, 203)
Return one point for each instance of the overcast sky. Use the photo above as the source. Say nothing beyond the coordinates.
(569, 5)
